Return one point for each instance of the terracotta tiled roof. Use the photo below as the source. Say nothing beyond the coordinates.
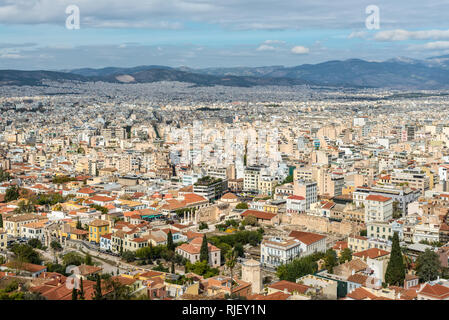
(378, 198)
(371, 253)
(306, 237)
(289, 286)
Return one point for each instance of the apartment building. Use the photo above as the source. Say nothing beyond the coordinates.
(378, 208)
(307, 190)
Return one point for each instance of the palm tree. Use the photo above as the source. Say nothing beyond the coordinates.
(231, 261)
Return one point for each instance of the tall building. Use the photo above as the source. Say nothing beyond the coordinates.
(251, 272)
(306, 189)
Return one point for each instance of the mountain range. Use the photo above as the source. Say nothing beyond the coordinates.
(399, 73)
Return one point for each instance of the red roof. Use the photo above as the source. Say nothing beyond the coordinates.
(306, 237)
(372, 253)
(258, 214)
(378, 198)
(296, 198)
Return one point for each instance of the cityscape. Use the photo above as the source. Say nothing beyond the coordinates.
(328, 180)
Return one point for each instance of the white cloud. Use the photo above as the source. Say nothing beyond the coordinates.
(402, 35)
(436, 45)
(358, 34)
(300, 50)
(265, 47)
(274, 42)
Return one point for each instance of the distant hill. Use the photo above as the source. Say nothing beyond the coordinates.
(399, 73)
(33, 78)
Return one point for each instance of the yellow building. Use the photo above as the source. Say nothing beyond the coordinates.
(347, 190)
(97, 228)
(3, 240)
(358, 243)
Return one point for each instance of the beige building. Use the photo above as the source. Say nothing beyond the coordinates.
(251, 272)
(358, 243)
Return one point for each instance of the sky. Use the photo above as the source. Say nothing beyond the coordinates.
(217, 33)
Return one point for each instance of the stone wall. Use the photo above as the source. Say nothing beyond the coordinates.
(321, 224)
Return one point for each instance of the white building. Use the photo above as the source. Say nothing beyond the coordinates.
(378, 208)
(296, 204)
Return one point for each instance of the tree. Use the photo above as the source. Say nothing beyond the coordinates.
(12, 193)
(288, 179)
(73, 258)
(241, 206)
(170, 244)
(204, 251)
(4, 176)
(1, 221)
(129, 256)
(26, 253)
(330, 260)
(55, 245)
(231, 261)
(88, 259)
(74, 294)
(24, 207)
(78, 224)
(97, 289)
(81, 291)
(35, 243)
(346, 255)
(363, 233)
(299, 267)
(203, 225)
(172, 267)
(428, 266)
(250, 220)
(395, 273)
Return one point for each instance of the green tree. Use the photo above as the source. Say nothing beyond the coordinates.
(88, 259)
(170, 244)
(26, 253)
(428, 266)
(35, 243)
(55, 245)
(25, 207)
(346, 255)
(1, 221)
(299, 267)
(98, 295)
(395, 273)
(231, 261)
(12, 193)
(78, 224)
(128, 256)
(241, 206)
(204, 251)
(4, 176)
(289, 179)
(74, 294)
(81, 291)
(363, 233)
(72, 258)
(330, 260)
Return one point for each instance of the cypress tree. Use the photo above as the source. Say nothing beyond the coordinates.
(170, 245)
(97, 293)
(1, 221)
(81, 291)
(204, 252)
(395, 273)
(74, 294)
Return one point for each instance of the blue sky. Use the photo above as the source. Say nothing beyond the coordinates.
(216, 33)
